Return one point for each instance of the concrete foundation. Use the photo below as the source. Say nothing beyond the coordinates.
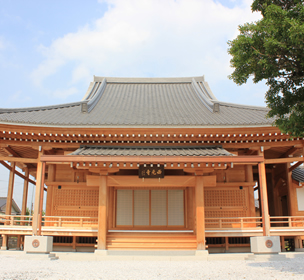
(38, 244)
(265, 244)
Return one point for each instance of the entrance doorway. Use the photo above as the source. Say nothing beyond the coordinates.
(150, 208)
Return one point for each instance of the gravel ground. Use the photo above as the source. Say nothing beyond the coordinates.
(14, 268)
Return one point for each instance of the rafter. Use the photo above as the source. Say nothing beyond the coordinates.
(290, 152)
(295, 166)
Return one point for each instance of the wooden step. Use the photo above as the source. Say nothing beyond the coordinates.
(151, 241)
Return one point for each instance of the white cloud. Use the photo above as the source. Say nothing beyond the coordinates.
(148, 38)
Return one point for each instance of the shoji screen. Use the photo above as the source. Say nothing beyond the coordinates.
(175, 207)
(141, 207)
(158, 207)
(124, 207)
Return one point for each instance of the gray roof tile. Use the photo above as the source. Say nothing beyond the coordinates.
(298, 174)
(128, 102)
(151, 151)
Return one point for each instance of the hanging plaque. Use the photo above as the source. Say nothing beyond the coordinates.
(151, 172)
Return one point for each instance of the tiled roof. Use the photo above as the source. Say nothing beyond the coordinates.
(14, 205)
(151, 151)
(138, 102)
(298, 174)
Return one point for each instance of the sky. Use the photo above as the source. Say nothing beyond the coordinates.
(50, 49)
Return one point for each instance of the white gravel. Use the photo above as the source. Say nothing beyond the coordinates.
(12, 267)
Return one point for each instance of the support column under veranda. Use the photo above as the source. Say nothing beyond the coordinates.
(200, 213)
(9, 200)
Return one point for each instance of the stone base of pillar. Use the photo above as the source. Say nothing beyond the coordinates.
(38, 244)
(101, 252)
(299, 249)
(3, 248)
(201, 253)
(265, 244)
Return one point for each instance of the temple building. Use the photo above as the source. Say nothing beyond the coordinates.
(152, 164)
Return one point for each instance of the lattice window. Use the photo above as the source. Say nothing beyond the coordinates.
(224, 213)
(75, 197)
(71, 198)
(220, 198)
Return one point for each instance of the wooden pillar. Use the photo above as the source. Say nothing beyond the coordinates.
(50, 188)
(38, 190)
(19, 241)
(298, 242)
(282, 244)
(9, 199)
(292, 195)
(102, 214)
(200, 213)
(25, 193)
(4, 242)
(41, 199)
(264, 199)
(226, 243)
(74, 243)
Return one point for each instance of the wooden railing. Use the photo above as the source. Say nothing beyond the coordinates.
(16, 220)
(233, 222)
(285, 221)
(56, 221)
(210, 223)
(49, 221)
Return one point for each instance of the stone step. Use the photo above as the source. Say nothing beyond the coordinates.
(53, 257)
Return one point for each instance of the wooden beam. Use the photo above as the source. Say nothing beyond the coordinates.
(17, 173)
(11, 152)
(18, 159)
(169, 181)
(9, 199)
(153, 159)
(200, 213)
(283, 160)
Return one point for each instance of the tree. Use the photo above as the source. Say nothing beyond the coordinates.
(272, 49)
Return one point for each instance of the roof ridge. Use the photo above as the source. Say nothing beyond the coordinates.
(41, 108)
(236, 105)
(151, 80)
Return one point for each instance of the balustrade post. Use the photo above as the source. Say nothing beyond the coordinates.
(242, 223)
(81, 222)
(60, 222)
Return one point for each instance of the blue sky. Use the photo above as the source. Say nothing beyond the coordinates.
(50, 49)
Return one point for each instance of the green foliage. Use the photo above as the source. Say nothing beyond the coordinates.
(272, 49)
